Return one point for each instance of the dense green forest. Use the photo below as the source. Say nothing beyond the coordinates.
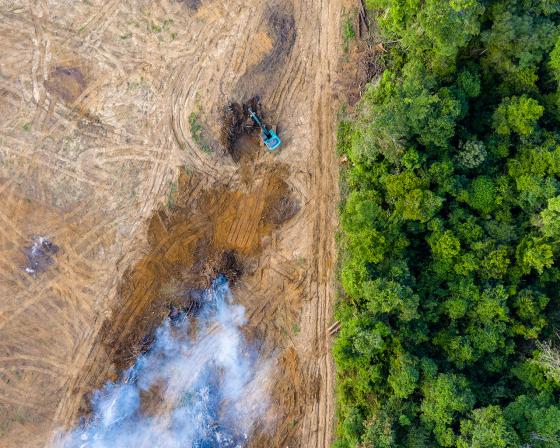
(450, 231)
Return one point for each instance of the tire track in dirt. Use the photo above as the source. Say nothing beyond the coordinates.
(89, 172)
(318, 421)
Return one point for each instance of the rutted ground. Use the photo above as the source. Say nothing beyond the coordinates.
(110, 147)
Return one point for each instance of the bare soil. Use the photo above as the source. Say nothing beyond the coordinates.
(99, 156)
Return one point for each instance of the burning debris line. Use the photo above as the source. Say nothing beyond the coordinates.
(199, 386)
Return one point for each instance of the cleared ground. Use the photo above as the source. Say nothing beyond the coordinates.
(110, 146)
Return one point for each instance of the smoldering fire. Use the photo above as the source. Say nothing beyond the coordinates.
(213, 386)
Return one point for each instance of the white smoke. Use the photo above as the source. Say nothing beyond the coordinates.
(210, 387)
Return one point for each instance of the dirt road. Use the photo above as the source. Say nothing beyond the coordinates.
(110, 147)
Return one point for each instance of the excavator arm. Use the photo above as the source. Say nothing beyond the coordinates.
(270, 138)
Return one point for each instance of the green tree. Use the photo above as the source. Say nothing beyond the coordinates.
(449, 230)
(389, 296)
(517, 114)
(403, 375)
(379, 431)
(446, 399)
(471, 154)
(533, 253)
(469, 83)
(487, 428)
(496, 263)
(551, 218)
(555, 61)
(536, 419)
(352, 426)
(444, 245)
(482, 194)
(516, 44)
(529, 305)
(419, 205)
(446, 26)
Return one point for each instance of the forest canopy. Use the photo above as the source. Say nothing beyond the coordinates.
(450, 231)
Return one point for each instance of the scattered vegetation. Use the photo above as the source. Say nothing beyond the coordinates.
(171, 195)
(196, 127)
(348, 32)
(154, 27)
(160, 28)
(135, 83)
(450, 231)
(197, 132)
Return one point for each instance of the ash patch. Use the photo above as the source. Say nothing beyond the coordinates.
(191, 4)
(282, 26)
(230, 266)
(282, 210)
(68, 83)
(226, 265)
(281, 205)
(40, 255)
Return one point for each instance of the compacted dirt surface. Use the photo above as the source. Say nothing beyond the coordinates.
(123, 186)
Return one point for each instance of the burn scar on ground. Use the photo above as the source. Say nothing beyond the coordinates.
(40, 255)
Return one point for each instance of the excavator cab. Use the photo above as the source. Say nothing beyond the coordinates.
(270, 138)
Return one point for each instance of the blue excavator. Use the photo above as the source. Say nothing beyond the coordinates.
(270, 138)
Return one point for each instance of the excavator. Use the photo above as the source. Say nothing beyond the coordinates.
(270, 138)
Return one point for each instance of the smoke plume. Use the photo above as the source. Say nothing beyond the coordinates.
(199, 386)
